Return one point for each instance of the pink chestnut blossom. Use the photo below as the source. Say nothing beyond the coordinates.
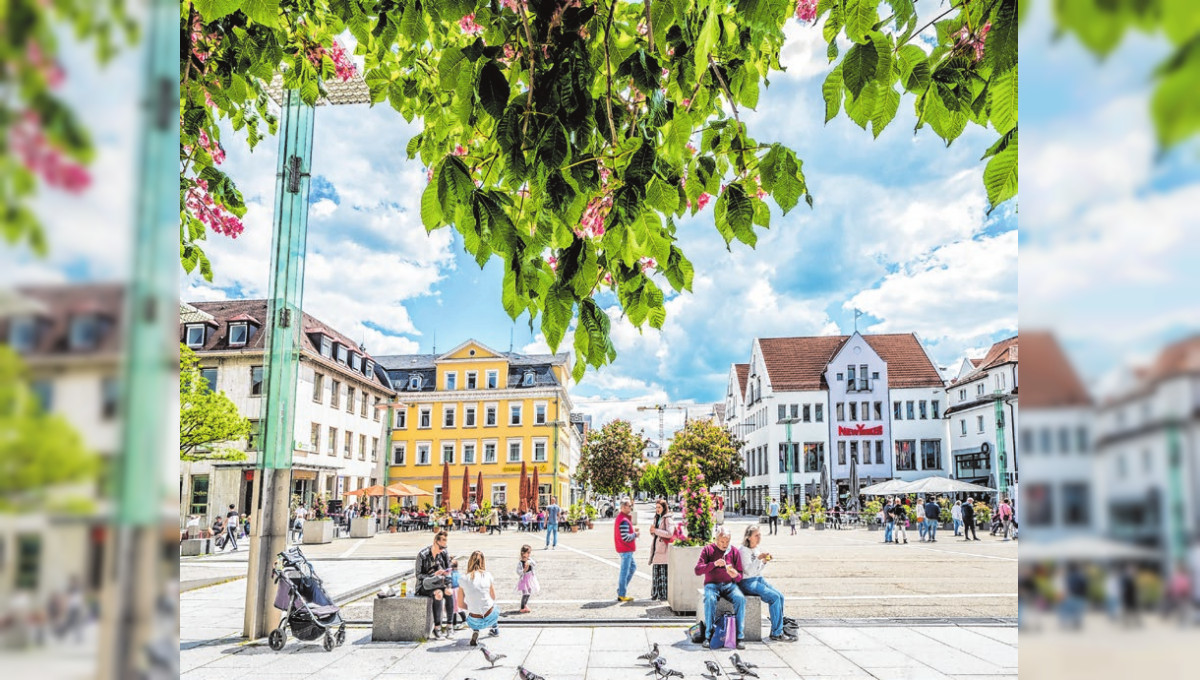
(29, 143)
(460, 150)
(201, 205)
(974, 42)
(702, 200)
(468, 25)
(647, 263)
(553, 262)
(806, 10)
(591, 225)
(608, 278)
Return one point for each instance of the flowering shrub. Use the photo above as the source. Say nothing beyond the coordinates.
(806, 10)
(697, 508)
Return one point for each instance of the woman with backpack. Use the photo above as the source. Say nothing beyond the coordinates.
(663, 534)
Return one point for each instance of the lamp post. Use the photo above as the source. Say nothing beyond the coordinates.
(787, 422)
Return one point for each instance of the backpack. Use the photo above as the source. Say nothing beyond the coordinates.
(696, 633)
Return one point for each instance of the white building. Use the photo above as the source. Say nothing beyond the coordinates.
(1057, 496)
(339, 430)
(982, 416)
(804, 402)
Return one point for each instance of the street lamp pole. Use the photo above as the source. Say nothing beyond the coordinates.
(787, 422)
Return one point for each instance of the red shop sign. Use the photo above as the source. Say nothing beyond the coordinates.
(860, 431)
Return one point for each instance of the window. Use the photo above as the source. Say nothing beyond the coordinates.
(209, 375)
(318, 388)
(498, 495)
(819, 413)
(335, 393)
(854, 410)
(539, 451)
(1064, 440)
(539, 414)
(862, 378)
(1046, 436)
(1038, 508)
(814, 453)
(341, 354)
(370, 368)
(874, 375)
(979, 423)
(923, 412)
(349, 399)
(979, 389)
(362, 447)
(362, 405)
(414, 382)
(333, 440)
(1000, 381)
(356, 362)
(199, 502)
(1147, 461)
(931, 454)
(839, 377)
(783, 412)
(866, 410)
(851, 383)
(933, 408)
(378, 401)
(879, 410)
(806, 412)
(469, 453)
(840, 412)
(489, 414)
(109, 394)
(399, 453)
(449, 412)
(854, 451)
(529, 379)
(1075, 504)
(349, 444)
(423, 453)
(879, 451)
(493, 379)
(452, 380)
(472, 380)
(426, 418)
(29, 562)
(239, 333)
(437, 495)
(194, 338)
(256, 381)
(908, 411)
(896, 412)
(905, 458)
(314, 439)
(841, 453)
(1122, 466)
(469, 415)
(1081, 439)
(514, 450)
(326, 347)
(254, 439)
(514, 414)
(374, 449)
(22, 334)
(402, 418)
(962, 427)
(1026, 440)
(795, 411)
(448, 452)
(489, 452)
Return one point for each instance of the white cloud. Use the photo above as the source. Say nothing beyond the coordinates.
(322, 208)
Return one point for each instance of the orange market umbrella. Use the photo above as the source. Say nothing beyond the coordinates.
(466, 487)
(534, 490)
(524, 489)
(445, 484)
(479, 488)
(406, 490)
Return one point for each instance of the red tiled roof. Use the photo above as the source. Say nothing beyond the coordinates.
(62, 302)
(743, 372)
(1047, 378)
(1178, 358)
(976, 362)
(1002, 352)
(795, 364)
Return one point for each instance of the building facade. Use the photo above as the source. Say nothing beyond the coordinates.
(982, 417)
(341, 394)
(806, 404)
(479, 410)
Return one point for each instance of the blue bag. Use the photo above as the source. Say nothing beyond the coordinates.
(717, 640)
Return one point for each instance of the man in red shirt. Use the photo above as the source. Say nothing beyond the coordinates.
(721, 567)
(625, 538)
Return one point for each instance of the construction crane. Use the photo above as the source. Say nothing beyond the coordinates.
(662, 409)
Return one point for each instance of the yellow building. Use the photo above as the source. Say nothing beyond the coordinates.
(482, 410)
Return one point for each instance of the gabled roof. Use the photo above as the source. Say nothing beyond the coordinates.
(1048, 380)
(799, 364)
(53, 306)
(976, 362)
(743, 373)
(1002, 352)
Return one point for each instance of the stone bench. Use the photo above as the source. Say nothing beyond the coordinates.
(752, 625)
(192, 547)
(402, 619)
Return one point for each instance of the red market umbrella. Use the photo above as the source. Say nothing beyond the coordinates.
(445, 484)
(466, 487)
(523, 493)
(533, 490)
(479, 488)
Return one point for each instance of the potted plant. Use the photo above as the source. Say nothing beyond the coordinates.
(698, 525)
(816, 508)
(983, 515)
(945, 514)
(870, 514)
(805, 518)
(591, 513)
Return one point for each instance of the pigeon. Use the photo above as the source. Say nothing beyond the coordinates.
(527, 674)
(742, 668)
(671, 673)
(651, 655)
(712, 667)
(657, 666)
(491, 656)
(737, 660)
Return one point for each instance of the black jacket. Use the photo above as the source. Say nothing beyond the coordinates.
(428, 565)
(968, 514)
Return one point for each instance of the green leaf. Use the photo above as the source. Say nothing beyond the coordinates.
(431, 209)
(704, 43)
(448, 67)
(493, 89)
(885, 110)
(265, 12)
(862, 108)
(1000, 176)
(211, 10)
(832, 89)
(641, 166)
(861, 17)
(788, 183)
(858, 67)
(559, 310)
(1000, 51)
(509, 296)
(1174, 107)
(1002, 100)
(662, 196)
(914, 68)
(735, 215)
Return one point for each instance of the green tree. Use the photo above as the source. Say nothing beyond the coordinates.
(711, 447)
(652, 481)
(206, 418)
(565, 137)
(38, 450)
(612, 458)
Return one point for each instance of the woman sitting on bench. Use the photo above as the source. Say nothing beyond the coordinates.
(754, 560)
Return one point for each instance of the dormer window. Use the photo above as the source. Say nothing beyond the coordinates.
(239, 334)
(414, 382)
(85, 332)
(194, 335)
(22, 334)
(326, 347)
(341, 354)
(370, 370)
(530, 376)
(356, 361)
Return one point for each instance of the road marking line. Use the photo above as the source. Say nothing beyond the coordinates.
(358, 544)
(615, 565)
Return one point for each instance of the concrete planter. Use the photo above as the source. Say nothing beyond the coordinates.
(362, 527)
(873, 527)
(318, 531)
(719, 516)
(820, 526)
(192, 547)
(682, 580)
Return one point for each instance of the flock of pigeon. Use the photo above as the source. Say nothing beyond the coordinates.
(658, 666)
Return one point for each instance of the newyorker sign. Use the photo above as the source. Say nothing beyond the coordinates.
(859, 431)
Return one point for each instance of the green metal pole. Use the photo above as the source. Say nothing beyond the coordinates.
(1176, 531)
(283, 326)
(1001, 450)
(147, 362)
(789, 461)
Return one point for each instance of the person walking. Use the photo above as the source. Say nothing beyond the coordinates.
(889, 522)
(1006, 515)
(527, 583)
(433, 581)
(968, 518)
(552, 513)
(663, 534)
(298, 518)
(477, 595)
(1129, 597)
(933, 512)
(900, 513)
(721, 567)
(754, 560)
(493, 521)
(922, 527)
(773, 515)
(625, 537)
(233, 522)
(957, 515)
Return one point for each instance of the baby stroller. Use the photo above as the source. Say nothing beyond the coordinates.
(309, 611)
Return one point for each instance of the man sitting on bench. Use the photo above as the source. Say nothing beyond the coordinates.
(721, 567)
